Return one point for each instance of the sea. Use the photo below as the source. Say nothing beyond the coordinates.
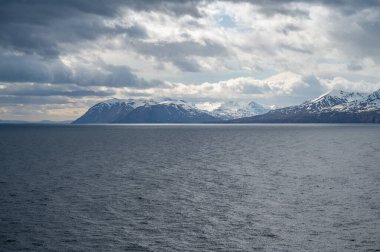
(200, 187)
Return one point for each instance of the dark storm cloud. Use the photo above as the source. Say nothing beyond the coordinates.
(47, 40)
(37, 27)
(37, 32)
(30, 68)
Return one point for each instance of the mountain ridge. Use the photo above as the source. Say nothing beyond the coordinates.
(336, 106)
(166, 110)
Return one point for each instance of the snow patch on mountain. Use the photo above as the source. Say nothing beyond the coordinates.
(335, 101)
(341, 95)
(233, 110)
(365, 103)
(130, 102)
(333, 107)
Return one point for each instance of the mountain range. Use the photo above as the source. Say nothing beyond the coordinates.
(333, 107)
(164, 111)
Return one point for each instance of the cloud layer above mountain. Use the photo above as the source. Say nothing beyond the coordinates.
(59, 57)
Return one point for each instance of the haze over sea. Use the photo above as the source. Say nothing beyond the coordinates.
(190, 188)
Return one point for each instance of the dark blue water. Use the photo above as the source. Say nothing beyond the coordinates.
(190, 188)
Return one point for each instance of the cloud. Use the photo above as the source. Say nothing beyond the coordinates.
(11, 100)
(345, 6)
(286, 88)
(182, 53)
(341, 83)
(40, 27)
(42, 90)
(282, 8)
(354, 67)
(164, 30)
(283, 89)
(362, 38)
(43, 27)
(32, 110)
(101, 74)
(30, 68)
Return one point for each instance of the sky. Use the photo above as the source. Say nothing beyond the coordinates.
(59, 57)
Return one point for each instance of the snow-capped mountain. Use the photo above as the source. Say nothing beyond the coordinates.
(233, 110)
(165, 110)
(333, 100)
(334, 106)
(112, 110)
(330, 101)
(370, 102)
(145, 111)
